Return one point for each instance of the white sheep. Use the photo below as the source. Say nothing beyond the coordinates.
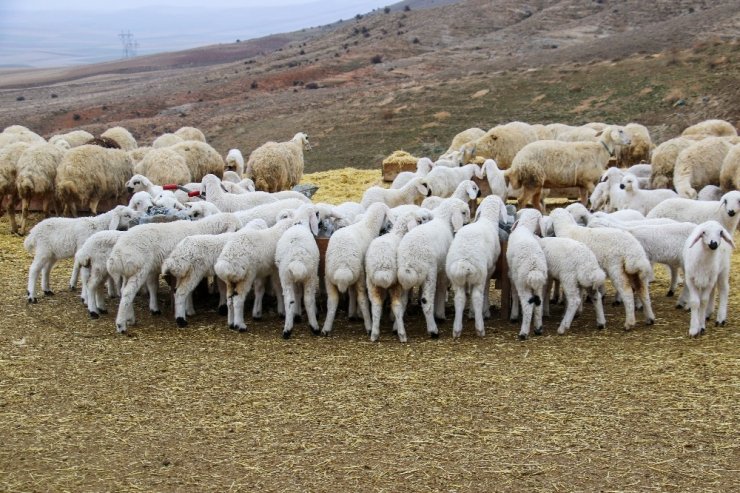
(140, 183)
(228, 202)
(423, 166)
(58, 238)
(140, 202)
(199, 210)
(268, 212)
(718, 128)
(345, 262)
(471, 262)
(663, 161)
(729, 175)
(381, 267)
(710, 192)
(408, 194)
(421, 261)
(642, 200)
(582, 215)
(467, 190)
(442, 181)
(75, 138)
(706, 267)
(276, 166)
(726, 211)
(167, 199)
(138, 255)
(297, 261)
(16, 133)
(620, 255)
(639, 148)
(200, 158)
(501, 143)
(235, 162)
(468, 135)
(496, 179)
(91, 260)
(36, 171)
(231, 176)
(527, 270)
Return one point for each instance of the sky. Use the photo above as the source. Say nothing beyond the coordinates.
(48, 33)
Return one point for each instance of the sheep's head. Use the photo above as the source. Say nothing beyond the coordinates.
(579, 213)
(424, 165)
(303, 138)
(138, 183)
(731, 202)
(711, 234)
(424, 189)
(629, 183)
(141, 201)
(122, 218)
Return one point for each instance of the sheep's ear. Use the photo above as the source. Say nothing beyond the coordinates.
(598, 134)
(422, 189)
(313, 223)
(696, 239)
(114, 221)
(457, 220)
(726, 236)
(479, 172)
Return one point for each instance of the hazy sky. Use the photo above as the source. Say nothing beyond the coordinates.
(96, 5)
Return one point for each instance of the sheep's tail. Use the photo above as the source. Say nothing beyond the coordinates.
(25, 185)
(175, 269)
(637, 264)
(536, 280)
(229, 271)
(298, 270)
(343, 278)
(409, 277)
(592, 279)
(511, 178)
(30, 242)
(383, 278)
(460, 271)
(67, 191)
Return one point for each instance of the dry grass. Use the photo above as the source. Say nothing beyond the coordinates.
(205, 408)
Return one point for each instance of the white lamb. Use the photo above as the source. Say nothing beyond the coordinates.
(423, 166)
(235, 162)
(140, 183)
(91, 260)
(642, 200)
(140, 202)
(583, 215)
(228, 202)
(442, 181)
(465, 191)
(471, 262)
(707, 266)
(421, 261)
(496, 179)
(268, 212)
(726, 211)
(408, 194)
(57, 238)
(345, 262)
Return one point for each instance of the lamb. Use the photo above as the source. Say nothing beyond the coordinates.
(729, 175)
(496, 179)
(91, 260)
(642, 200)
(200, 158)
(163, 166)
(166, 140)
(123, 138)
(421, 261)
(554, 164)
(166, 199)
(332, 218)
(345, 262)
(57, 238)
(664, 161)
(36, 171)
(9, 156)
(701, 164)
(75, 138)
(408, 194)
(575, 267)
(381, 267)
(268, 212)
(443, 181)
(707, 266)
(190, 133)
(582, 215)
(467, 190)
(137, 257)
(140, 183)
(140, 202)
(710, 192)
(423, 167)
(726, 211)
(235, 162)
(192, 260)
(717, 128)
(227, 202)
(276, 166)
(89, 174)
(620, 255)
(502, 143)
(198, 210)
(471, 261)
(639, 148)
(297, 261)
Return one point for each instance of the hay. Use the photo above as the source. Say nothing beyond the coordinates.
(337, 186)
(205, 408)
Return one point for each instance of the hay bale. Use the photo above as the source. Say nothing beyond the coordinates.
(397, 162)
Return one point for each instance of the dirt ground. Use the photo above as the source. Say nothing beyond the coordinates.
(205, 408)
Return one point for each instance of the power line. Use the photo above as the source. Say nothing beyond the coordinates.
(130, 45)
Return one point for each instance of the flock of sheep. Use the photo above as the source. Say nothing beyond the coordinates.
(240, 224)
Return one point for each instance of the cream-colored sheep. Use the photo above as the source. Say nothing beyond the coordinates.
(598, 126)
(468, 135)
(729, 176)
(167, 140)
(89, 174)
(556, 129)
(578, 134)
(502, 143)
(36, 172)
(664, 161)
(164, 166)
(75, 138)
(16, 133)
(639, 149)
(122, 137)
(9, 156)
(700, 165)
(276, 166)
(190, 133)
(543, 133)
(201, 159)
(717, 128)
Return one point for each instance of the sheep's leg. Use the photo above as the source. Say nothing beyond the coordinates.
(189, 306)
(527, 308)
(674, 279)
(363, 302)
(723, 284)
(11, 214)
(710, 305)
(84, 276)
(572, 303)
(546, 298)
(46, 275)
(75, 275)
(478, 296)
(624, 289)
(45, 206)
(94, 285)
(376, 295)
(697, 317)
(230, 304)
(278, 290)
(73, 209)
(298, 294)
(152, 284)
(440, 296)
(309, 302)
(24, 215)
(352, 308)
(514, 311)
(538, 315)
(290, 305)
(332, 301)
(537, 201)
(460, 299)
(427, 304)
(399, 298)
(131, 286)
(524, 197)
(241, 290)
(94, 206)
(487, 297)
(598, 301)
(259, 293)
(644, 295)
(183, 289)
(33, 275)
(222, 308)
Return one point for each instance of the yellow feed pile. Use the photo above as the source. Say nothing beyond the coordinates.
(340, 185)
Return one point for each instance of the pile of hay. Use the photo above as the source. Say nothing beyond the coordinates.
(340, 185)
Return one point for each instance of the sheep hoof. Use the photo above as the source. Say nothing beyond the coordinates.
(94, 315)
(315, 331)
(522, 337)
(703, 331)
(513, 320)
(286, 334)
(669, 293)
(121, 329)
(439, 320)
(103, 311)
(32, 300)
(72, 288)
(156, 312)
(49, 293)
(434, 335)
(395, 332)
(223, 310)
(650, 321)
(181, 322)
(538, 331)
(679, 306)
(720, 323)
(232, 326)
(242, 329)
(325, 333)
(600, 326)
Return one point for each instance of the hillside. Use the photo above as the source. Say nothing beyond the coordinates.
(412, 79)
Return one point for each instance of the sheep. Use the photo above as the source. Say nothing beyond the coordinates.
(75, 138)
(106, 142)
(717, 128)
(701, 164)
(381, 266)
(543, 133)
(140, 183)
(58, 238)
(471, 261)
(453, 152)
(443, 181)
(332, 218)
(495, 178)
(268, 212)
(166, 199)
(235, 162)
(163, 166)
(345, 262)
(423, 167)
(91, 260)
(139, 153)
(245, 262)
(20, 134)
(192, 260)
(576, 268)
(9, 156)
(726, 211)
(663, 161)
(88, 174)
(166, 140)
(297, 261)
(408, 194)
(554, 164)
(291, 194)
(612, 198)
(710, 192)
(137, 257)
(582, 215)
(247, 184)
(502, 143)
(729, 175)
(123, 138)
(231, 176)
(198, 210)
(200, 158)
(620, 255)
(707, 267)
(639, 148)
(228, 202)
(643, 172)
(190, 133)
(140, 202)
(642, 200)
(578, 134)
(421, 262)
(276, 166)
(467, 190)
(36, 171)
